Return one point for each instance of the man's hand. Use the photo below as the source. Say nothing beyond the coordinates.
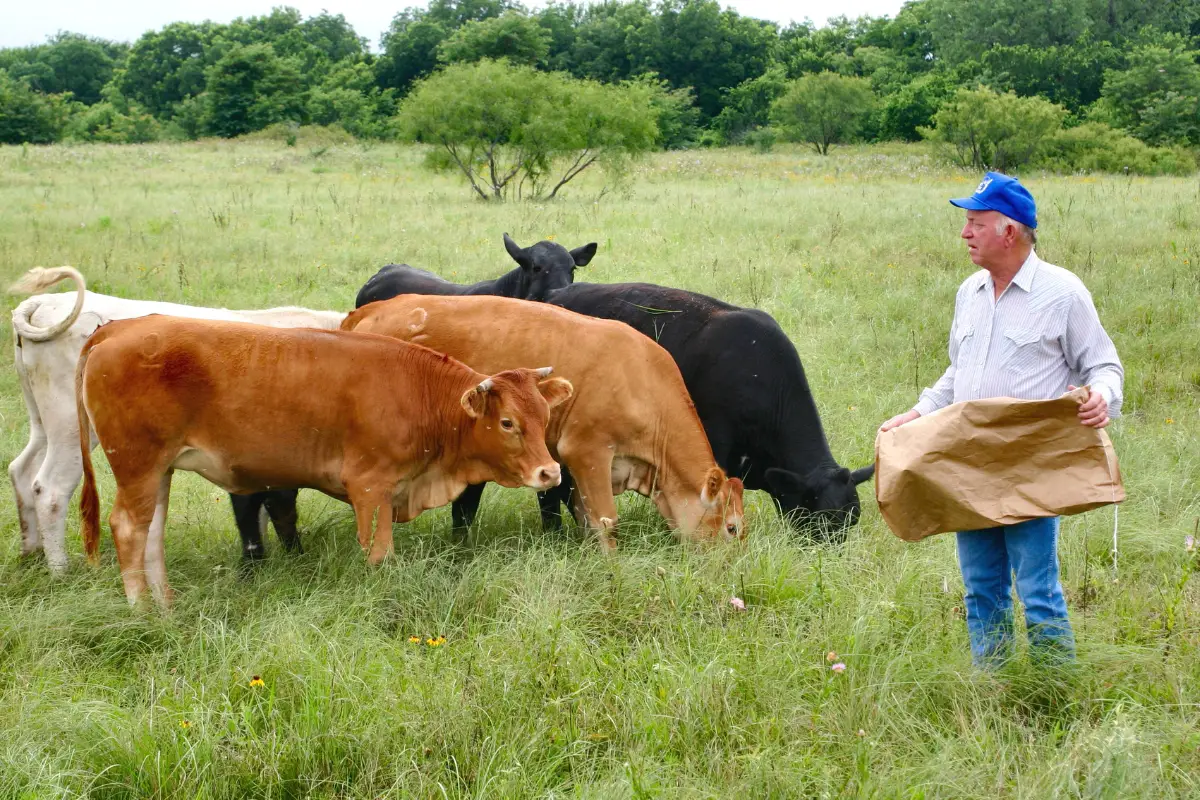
(898, 420)
(1094, 411)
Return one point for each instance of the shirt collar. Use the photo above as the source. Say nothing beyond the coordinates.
(1023, 279)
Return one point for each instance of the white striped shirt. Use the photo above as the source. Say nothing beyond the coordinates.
(1040, 335)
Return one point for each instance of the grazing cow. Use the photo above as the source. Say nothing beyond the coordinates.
(48, 332)
(748, 384)
(542, 268)
(390, 427)
(631, 424)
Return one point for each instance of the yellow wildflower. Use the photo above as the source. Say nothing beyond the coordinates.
(414, 639)
(183, 723)
(256, 681)
(438, 642)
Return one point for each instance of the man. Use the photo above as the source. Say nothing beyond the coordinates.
(1026, 329)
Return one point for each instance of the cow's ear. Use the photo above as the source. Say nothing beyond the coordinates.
(784, 481)
(862, 474)
(474, 400)
(556, 391)
(583, 255)
(518, 254)
(713, 482)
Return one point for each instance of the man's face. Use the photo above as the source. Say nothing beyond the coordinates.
(984, 245)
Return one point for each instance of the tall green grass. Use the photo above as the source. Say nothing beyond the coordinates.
(565, 672)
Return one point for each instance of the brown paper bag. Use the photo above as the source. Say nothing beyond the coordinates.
(982, 463)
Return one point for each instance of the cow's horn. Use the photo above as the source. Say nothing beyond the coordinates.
(485, 386)
(544, 372)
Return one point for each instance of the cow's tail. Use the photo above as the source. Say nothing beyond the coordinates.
(36, 280)
(89, 499)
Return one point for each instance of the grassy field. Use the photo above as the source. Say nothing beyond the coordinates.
(564, 672)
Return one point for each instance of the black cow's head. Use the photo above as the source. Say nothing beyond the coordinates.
(547, 266)
(825, 500)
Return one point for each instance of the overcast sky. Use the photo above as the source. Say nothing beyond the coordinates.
(24, 23)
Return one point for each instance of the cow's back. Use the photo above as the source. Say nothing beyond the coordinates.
(396, 279)
(614, 368)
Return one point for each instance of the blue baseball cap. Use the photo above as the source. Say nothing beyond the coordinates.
(999, 192)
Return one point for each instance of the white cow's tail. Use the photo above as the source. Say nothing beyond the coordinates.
(39, 279)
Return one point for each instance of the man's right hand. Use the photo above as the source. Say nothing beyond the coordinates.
(898, 420)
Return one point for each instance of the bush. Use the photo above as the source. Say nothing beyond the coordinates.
(678, 116)
(913, 106)
(29, 116)
(1095, 147)
(1157, 98)
(823, 109)
(988, 130)
(748, 106)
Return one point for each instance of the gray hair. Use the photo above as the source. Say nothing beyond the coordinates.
(1024, 231)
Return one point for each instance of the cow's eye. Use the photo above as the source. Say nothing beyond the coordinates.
(507, 424)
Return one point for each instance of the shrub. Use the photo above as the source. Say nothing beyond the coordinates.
(988, 130)
(1095, 147)
(823, 109)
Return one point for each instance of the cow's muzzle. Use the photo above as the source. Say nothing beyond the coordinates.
(546, 477)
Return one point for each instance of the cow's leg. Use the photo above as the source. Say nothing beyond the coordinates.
(56, 481)
(132, 513)
(281, 506)
(550, 503)
(22, 471)
(595, 506)
(374, 520)
(248, 514)
(464, 509)
(155, 557)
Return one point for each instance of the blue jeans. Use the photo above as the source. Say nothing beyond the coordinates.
(989, 558)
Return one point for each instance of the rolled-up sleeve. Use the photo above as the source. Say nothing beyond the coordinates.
(1091, 354)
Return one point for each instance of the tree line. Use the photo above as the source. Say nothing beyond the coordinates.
(1084, 77)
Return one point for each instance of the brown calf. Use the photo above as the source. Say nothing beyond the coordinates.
(630, 425)
(390, 427)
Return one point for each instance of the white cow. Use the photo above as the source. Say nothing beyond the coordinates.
(49, 330)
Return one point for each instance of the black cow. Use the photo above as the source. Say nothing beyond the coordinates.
(542, 268)
(749, 388)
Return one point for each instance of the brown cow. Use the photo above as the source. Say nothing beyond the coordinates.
(630, 425)
(390, 427)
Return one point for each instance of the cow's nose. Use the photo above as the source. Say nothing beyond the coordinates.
(548, 476)
(734, 531)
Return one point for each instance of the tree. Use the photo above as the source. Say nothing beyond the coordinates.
(513, 36)
(1157, 98)
(963, 30)
(115, 120)
(989, 130)
(168, 66)
(410, 49)
(823, 109)
(710, 50)
(511, 129)
(251, 88)
(349, 97)
(1070, 75)
(615, 41)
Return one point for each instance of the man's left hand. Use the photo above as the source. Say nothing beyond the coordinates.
(1094, 411)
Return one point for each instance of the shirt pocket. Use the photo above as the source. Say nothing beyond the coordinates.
(1022, 350)
(964, 340)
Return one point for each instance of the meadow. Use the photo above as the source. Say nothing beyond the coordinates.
(529, 664)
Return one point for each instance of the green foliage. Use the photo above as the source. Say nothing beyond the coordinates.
(514, 130)
(250, 88)
(990, 130)
(678, 118)
(615, 41)
(409, 51)
(823, 110)
(913, 106)
(513, 36)
(69, 62)
(747, 106)
(349, 97)
(1070, 75)
(1157, 97)
(167, 67)
(115, 120)
(1095, 147)
(29, 116)
(710, 50)
(963, 30)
